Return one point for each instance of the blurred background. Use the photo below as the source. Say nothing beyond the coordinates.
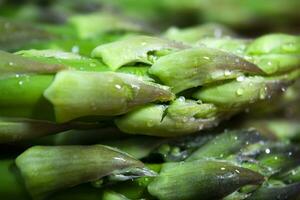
(248, 17)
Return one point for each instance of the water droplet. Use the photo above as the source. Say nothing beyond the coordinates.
(237, 171)
(181, 99)
(17, 75)
(283, 89)
(218, 33)
(240, 92)
(137, 87)
(268, 151)
(20, 82)
(150, 123)
(227, 72)
(223, 168)
(75, 49)
(263, 93)
(240, 78)
(10, 63)
(206, 57)
(200, 127)
(118, 86)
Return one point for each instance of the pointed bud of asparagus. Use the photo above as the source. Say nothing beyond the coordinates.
(47, 169)
(77, 94)
(180, 118)
(198, 66)
(276, 63)
(241, 92)
(275, 43)
(207, 179)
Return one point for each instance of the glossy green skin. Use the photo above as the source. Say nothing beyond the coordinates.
(118, 94)
(82, 163)
(199, 66)
(168, 121)
(205, 178)
(272, 53)
(22, 96)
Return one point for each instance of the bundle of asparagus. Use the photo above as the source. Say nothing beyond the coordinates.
(129, 115)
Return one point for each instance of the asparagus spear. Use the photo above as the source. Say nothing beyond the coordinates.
(180, 118)
(244, 144)
(42, 167)
(205, 178)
